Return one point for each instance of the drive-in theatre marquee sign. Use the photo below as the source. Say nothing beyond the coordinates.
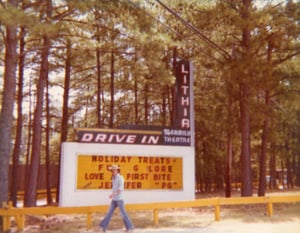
(156, 160)
(166, 136)
(140, 172)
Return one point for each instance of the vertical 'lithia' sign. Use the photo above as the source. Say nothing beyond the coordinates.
(183, 106)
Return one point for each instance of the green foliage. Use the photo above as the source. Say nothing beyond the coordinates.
(13, 16)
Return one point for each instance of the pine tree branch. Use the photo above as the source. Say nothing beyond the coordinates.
(279, 61)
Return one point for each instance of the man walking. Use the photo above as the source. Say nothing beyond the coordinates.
(117, 201)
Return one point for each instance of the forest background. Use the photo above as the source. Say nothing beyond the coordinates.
(66, 64)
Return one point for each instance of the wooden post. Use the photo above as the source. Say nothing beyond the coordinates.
(5, 223)
(217, 212)
(270, 209)
(155, 213)
(6, 218)
(20, 220)
(89, 220)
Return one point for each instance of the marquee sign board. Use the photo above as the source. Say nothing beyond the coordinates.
(153, 160)
(84, 179)
(140, 172)
(167, 136)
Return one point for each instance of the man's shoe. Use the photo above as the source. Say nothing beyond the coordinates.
(100, 230)
(129, 231)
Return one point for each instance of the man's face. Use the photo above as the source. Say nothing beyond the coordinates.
(114, 171)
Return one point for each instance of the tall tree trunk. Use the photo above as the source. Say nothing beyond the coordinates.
(246, 176)
(265, 133)
(273, 178)
(7, 106)
(136, 102)
(228, 165)
(201, 176)
(112, 89)
(293, 168)
(98, 61)
(289, 172)
(169, 102)
(29, 135)
(164, 105)
(289, 180)
(174, 91)
(282, 175)
(47, 147)
(146, 103)
(99, 108)
(271, 168)
(298, 172)
(65, 112)
(264, 148)
(18, 139)
(229, 152)
(31, 188)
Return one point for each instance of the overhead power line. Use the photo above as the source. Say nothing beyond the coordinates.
(195, 29)
(157, 20)
(164, 24)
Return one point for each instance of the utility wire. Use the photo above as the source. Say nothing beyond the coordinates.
(165, 25)
(195, 29)
(157, 20)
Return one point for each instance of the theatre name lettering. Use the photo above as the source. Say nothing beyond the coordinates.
(166, 136)
(183, 94)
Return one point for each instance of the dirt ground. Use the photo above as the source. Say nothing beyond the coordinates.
(234, 219)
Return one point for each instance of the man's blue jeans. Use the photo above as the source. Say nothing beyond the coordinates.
(113, 205)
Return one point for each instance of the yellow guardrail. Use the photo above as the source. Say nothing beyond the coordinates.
(19, 214)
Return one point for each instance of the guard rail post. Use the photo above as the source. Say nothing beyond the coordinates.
(270, 208)
(6, 218)
(217, 212)
(155, 216)
(20, 221)
(89, 220)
